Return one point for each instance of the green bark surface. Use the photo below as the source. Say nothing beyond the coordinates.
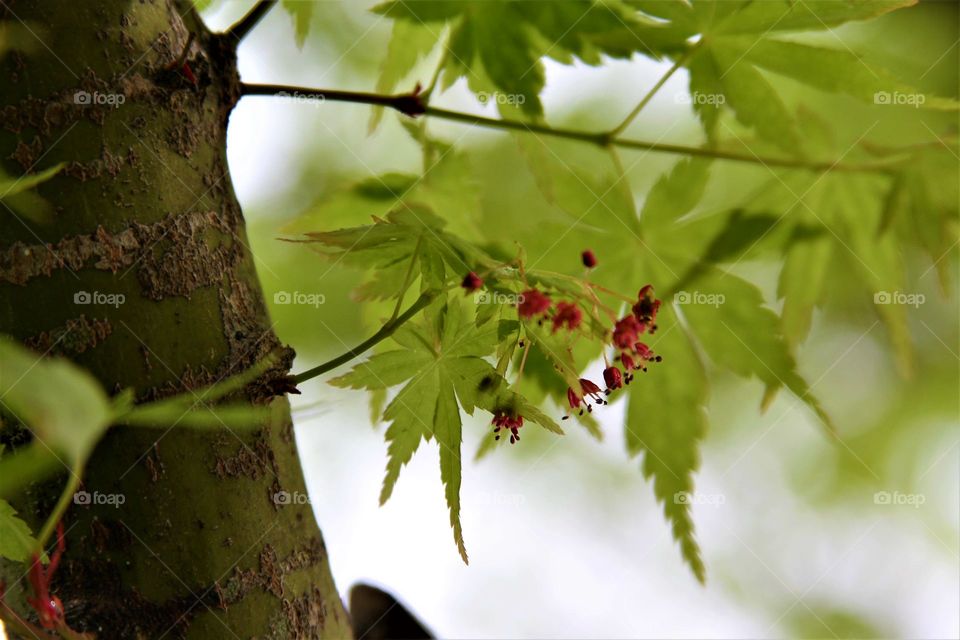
(200, 547)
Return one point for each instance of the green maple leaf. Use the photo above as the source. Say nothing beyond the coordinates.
(808, 15)
(16, 539)
(409, 233)
(921, 205)
(410, 42)
(914, 204)
(301, 12)
(740, 333)
(503, 41)
(441, 363)
(723, 305)
(737, 44)
(666, 420)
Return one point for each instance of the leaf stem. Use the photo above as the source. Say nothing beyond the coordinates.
(611, 292)
(523, 360)
(73, 483)
(436, 73)
(652, 92)
(250, 20)
(407, 277)
(384, 332)
(413, 105)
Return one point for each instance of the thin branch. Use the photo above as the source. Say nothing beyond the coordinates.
(385, 332)
(412, 105)
(604, 139)
(406, 103)
(652, 92)
(249, 21)
(66, 497)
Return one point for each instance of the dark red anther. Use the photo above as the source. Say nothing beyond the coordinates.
(589, 260)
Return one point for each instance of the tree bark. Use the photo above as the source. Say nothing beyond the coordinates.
(200, 547)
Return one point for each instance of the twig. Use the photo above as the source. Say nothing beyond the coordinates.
(385, 332)
(407, 103)
(411, 104)
(249, 21)
(653, 91)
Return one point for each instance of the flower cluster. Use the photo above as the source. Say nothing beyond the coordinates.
(624, 337)
(508, 421)
(634, 354)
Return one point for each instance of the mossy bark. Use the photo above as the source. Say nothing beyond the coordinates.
(200, 547)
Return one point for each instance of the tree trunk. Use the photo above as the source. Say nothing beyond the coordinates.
(199, 548)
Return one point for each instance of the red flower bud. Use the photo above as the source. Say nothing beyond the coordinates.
(613, 379)
(471, 282)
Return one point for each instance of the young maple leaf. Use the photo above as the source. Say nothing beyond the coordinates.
(442, 366)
